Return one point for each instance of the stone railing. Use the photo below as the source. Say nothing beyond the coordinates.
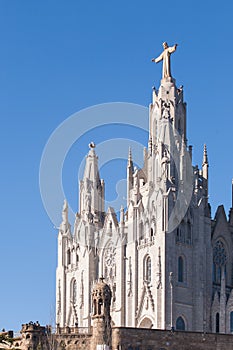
(73, 330)
(146, 242)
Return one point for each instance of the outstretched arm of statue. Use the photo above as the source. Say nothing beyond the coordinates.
(173, 48)
(158, 59)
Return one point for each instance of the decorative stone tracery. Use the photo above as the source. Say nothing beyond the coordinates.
(110, 262)
(219, 252)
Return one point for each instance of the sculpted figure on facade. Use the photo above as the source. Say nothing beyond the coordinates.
(65, 211)
(165, 162)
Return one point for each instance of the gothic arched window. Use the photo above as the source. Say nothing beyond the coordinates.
(110, 262)
(100, 303)
(147, 272)
(180, 233)
(189, 233)
(68, 257)
(94, 307)
(231, 321)
(217, 323)
(219, 261)
(141, 230)
(74, 292)
(156, 130)
(151, 232)
(180, 269)
(180, 324)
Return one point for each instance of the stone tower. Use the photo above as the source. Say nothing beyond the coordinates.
(169, 228)
(77, 260)
(101, 302)
(34, 336)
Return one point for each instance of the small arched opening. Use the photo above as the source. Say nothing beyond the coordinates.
(147, 269)
(217, 323)
(68, 257)
(231, 321)
(180, 324)
(146, 323)
(100, 303)
(180, 269)
(94, 307)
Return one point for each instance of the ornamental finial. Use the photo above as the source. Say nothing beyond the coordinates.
(91, 145)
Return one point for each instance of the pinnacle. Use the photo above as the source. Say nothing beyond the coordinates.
(205, 156)
(130, 157)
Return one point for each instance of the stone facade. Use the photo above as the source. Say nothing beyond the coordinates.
(167, 263)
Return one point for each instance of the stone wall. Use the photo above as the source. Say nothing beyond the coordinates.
(149, 339)
(123, 338)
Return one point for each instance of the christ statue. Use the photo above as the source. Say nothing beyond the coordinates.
(165, 56)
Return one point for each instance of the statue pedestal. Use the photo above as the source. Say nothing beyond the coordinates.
(168, 80)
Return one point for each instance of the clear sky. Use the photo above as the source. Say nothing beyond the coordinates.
(58, 57)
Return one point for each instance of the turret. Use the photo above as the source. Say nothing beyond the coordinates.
(205, 171)
(34, 336)
(205, 163)
(65, 241)
(101, 302)
(64, 236)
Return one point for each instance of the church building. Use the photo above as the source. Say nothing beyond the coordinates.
(168, 264)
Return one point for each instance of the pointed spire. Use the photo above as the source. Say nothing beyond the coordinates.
(205, 166)
(130, 161)
(129, 175)
(150, 146)
(91, 169)
(91, 189)
(205, 156)
(65, 212)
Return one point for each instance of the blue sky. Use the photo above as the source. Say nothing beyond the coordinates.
(58, 57)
